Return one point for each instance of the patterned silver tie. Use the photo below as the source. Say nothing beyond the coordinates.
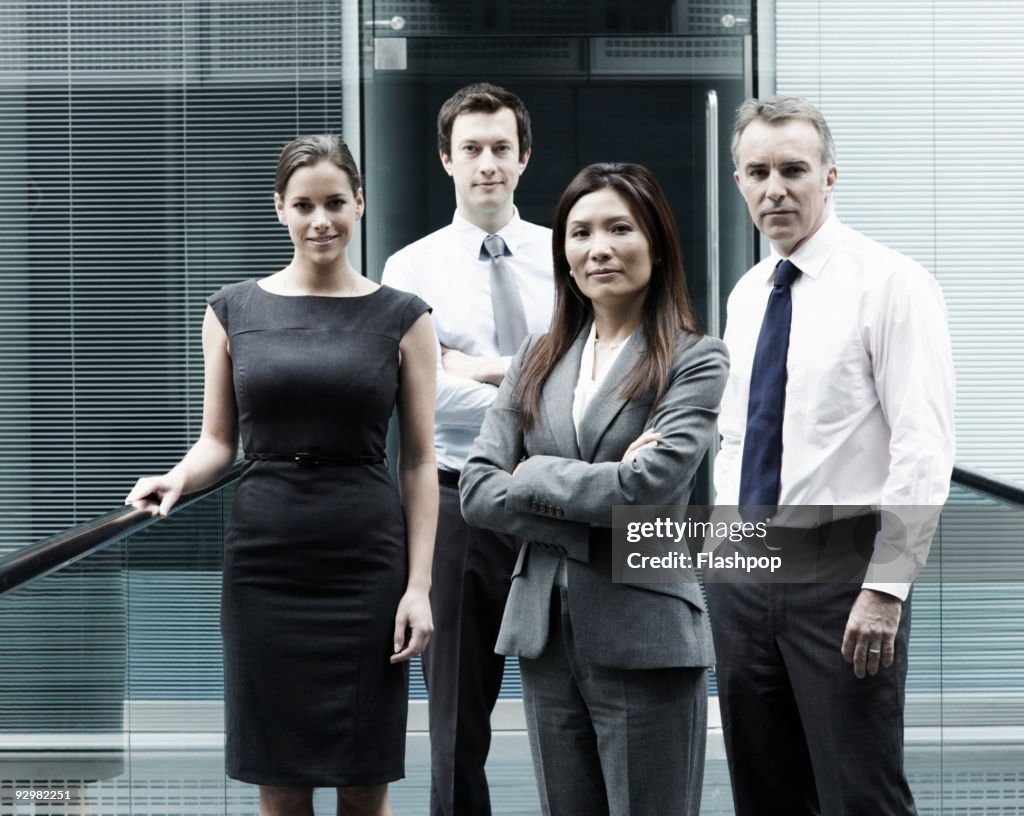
(509, 316)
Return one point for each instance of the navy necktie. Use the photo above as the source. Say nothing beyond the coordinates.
(507, 303)
(762, 444)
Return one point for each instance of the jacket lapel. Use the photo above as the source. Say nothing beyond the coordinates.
(556, 401)
(607, 402)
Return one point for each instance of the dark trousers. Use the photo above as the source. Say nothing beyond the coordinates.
(471, 579)
(802, 734)
(612, 742)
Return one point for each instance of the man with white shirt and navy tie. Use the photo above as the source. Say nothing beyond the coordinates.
(840, 396)
(488, 277)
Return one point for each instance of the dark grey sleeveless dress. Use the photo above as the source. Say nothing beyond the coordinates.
(315, 555)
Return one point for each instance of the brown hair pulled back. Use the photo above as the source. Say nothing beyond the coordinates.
(306, 151)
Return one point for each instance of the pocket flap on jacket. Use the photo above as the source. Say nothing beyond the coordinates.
(689, 591)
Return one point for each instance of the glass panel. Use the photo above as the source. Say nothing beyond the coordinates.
(598, 88)
(429, 18)
(144, 134)
(980, 654)
(636, 98)
(897, 144)
(111, 684)
(111, 687)
(175, 677)
(62, 682)
(110, 675)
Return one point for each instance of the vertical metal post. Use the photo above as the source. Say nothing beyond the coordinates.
(713, 275)
(351, 106)
(713, 270)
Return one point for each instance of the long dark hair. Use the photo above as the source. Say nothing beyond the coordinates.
(667, 310)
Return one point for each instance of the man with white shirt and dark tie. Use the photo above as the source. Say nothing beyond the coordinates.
(840, 396)
(487, 276)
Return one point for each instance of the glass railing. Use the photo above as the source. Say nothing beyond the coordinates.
(111, 682)
(965, 688)
(111, 687)
(110, 673)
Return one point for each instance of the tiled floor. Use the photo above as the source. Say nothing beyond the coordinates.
(976, 773)
(165, 776)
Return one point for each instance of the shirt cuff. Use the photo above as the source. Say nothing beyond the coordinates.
(897, 590)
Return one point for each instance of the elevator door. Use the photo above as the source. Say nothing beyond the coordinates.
(645, 99)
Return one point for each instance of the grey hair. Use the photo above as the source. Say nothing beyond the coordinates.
(780, 109)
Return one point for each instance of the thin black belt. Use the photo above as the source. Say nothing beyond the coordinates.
(860, 530)
(449, 478)
(314, 459)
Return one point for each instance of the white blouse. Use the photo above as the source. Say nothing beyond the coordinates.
(591, 377)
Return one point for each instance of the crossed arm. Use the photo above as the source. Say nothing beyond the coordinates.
(506, 486)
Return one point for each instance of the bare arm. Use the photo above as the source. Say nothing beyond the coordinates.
(417, 471)
(215, 450)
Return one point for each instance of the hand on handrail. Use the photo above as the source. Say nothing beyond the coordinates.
(156, 494)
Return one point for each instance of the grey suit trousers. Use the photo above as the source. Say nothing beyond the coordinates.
(612, 742)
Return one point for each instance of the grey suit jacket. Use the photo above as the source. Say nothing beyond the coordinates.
(562, 495)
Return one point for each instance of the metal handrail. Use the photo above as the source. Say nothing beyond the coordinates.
(39, 559)
(989, 485)
(56, 551)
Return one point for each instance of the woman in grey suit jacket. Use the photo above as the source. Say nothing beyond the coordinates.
(616, 405)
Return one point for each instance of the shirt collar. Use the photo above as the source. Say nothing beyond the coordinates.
(471, 237)
(812, 255)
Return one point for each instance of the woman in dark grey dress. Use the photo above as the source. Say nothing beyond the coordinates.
(326, 567)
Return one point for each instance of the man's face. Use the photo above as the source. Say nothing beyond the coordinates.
(485, 165)
(780, 174)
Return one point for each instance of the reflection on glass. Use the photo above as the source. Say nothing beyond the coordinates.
(63, 647)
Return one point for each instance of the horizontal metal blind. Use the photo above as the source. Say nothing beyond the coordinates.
(926, 102)
(137, 151)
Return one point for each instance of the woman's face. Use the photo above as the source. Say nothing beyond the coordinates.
(609, 255)
(320, 209)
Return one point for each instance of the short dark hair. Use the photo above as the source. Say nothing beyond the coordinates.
(482, 97)
(306, 151)
(667, 308)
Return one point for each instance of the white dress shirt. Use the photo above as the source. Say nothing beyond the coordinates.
(446, 270)
(869, 395)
